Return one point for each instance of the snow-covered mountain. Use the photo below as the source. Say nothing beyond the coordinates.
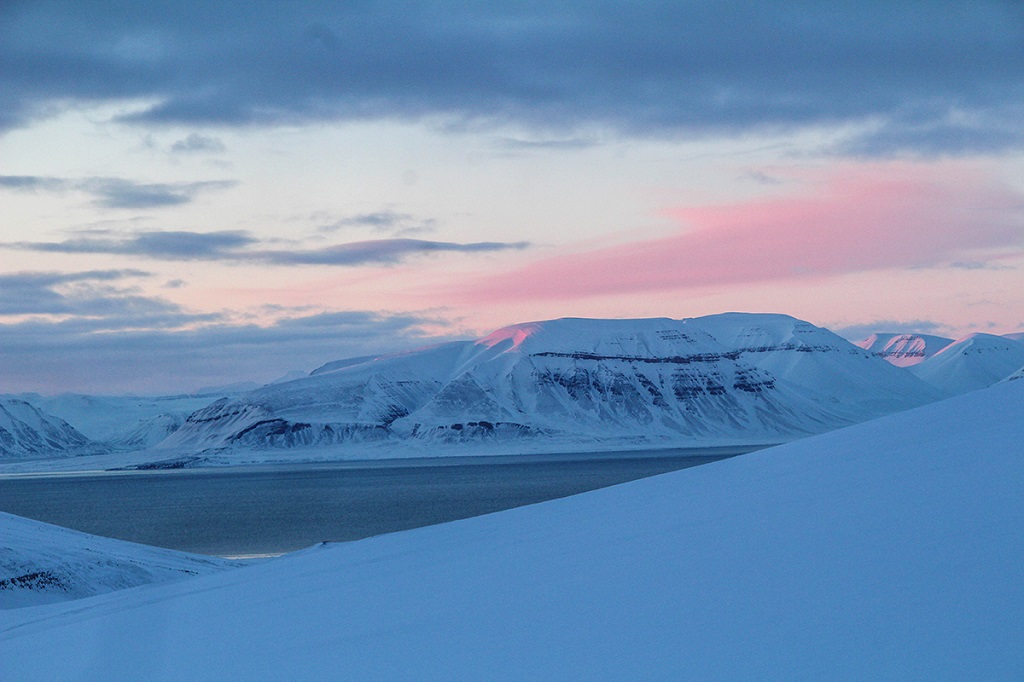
(973, 362)
(122, 422)
(26, 431)
(41, 563)
(888, 550)
(731, 378)
(904, 350)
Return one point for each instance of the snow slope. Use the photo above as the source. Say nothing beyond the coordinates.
(41, 563)
(904, 350)
(973, 362)
(26, 431)
(124, 422)
(569, 383)
(1019, 374)
(887, 550)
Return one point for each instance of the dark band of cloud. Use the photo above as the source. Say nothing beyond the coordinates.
(915, 70)
(196, 143)
(174, 351)
(384, 221)
(240, 247)
(377, 251)
(98, 297)
(117, 192)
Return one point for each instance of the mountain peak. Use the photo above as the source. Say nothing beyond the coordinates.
(576, 383)
(904, 350)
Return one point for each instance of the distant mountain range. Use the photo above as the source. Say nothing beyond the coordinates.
(954, 367)
(733, 378)
(973, 362)
(568, 384)
(26, 431)
(904, 350)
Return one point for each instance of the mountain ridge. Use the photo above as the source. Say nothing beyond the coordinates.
(734, 377)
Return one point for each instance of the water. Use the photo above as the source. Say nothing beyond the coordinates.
(272, 509)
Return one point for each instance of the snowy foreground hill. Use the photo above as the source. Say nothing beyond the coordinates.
(41, 563)
(572, 384)
(887, 550)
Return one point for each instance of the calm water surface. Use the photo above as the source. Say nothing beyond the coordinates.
(280, 508)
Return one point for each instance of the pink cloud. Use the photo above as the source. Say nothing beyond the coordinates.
(854, 220)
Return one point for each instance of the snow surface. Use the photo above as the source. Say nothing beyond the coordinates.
(887, 550)
(122, 421)
(26, 431)
(41, 563)
(904, 350)
(1019, 374)
(973, 362)
(570, 384)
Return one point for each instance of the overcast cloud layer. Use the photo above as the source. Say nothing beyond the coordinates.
(930, 77)
(107, 356)
(189, 199)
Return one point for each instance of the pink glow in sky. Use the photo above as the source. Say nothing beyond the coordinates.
(854, 219)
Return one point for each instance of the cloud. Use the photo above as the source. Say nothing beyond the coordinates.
(117, 192)
(198, 143)
(859, 332)
(87, 355)
(564, 143)
(94, 299)
(934, 138)
(32, 183)
(693, 68)
(164, 245)
(389, 221)
(241, 247)
(377, 251)
(857, 220)
(95, 331)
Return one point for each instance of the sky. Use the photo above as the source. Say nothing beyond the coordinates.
(198, 193)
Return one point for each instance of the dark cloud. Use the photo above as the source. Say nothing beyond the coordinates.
(378, 251)
(103, 298)
(933, 138)
(91, 355)
(383, 221)
(117, 192)
(32, 183)
(980, 265)
(165, 245)
(519, 144)
(916, 70)
(198, 143)
(240, 247)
